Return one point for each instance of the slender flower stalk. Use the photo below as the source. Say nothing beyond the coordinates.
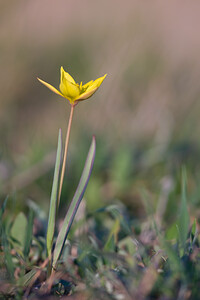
(65, 151)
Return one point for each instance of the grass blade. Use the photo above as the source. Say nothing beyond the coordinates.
(26, 279)
(53, 202)
(7, 256)
(3, 208)
(75, 203)
(184, 216)
(29, 234)
(111, 242)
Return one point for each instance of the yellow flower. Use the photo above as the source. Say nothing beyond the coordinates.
(73, 91)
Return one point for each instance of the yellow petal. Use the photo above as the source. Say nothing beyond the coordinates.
(86, 95)
(97, 82)
(53, 89)
(66, 75)
(85, 86)
(69, 89)
(92, 88)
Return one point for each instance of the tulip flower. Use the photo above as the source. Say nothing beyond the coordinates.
(73, 91)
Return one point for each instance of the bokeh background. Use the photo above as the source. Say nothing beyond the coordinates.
(145, 115)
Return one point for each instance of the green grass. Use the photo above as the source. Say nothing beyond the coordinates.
(145, 247)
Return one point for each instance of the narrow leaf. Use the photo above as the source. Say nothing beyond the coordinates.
(184, 216)
(194, 227)
(112, 238)
(26, 279)
(53, 202)
(3, 208)
(7, 256)
(193, 233)
(75, 203)
(29, 234)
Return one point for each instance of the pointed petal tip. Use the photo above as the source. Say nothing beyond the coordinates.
(60, 135)
(104, 76)
(94, 141)
(52, 88)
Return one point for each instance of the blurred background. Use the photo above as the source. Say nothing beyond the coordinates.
(145, 115)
